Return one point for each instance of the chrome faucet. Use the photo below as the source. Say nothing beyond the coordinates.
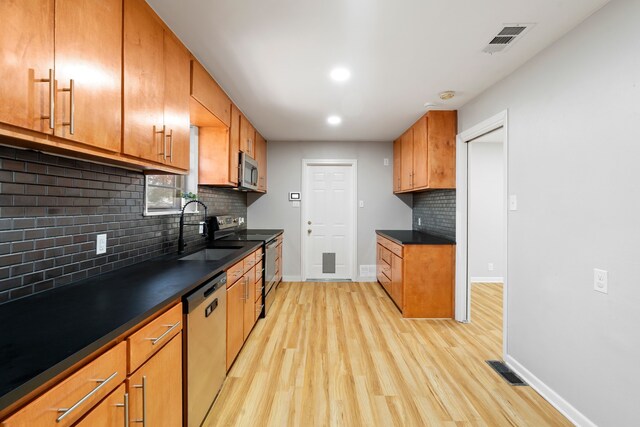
(181, 243)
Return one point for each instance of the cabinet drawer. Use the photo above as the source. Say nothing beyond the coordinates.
(386, 270)
(258, 277)
(258, 254)
(148, 340)
(385, 255)
(249, 261)
(92, 383)
(110, 412)
(234, 273)
(392, 246)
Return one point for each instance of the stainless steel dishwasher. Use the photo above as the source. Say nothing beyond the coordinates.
(205, 348)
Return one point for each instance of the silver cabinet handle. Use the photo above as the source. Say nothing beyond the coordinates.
(125, 405)
(52, 97)
(143, 420)
(67, 411)
(164, 140)
(72, 106)
(170, 137)
(155, 341)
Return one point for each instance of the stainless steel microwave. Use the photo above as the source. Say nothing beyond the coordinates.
(248, 177)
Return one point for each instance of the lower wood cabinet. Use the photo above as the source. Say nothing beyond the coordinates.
(155, 389)
(112, 411)
(418, 278)
(241, 302)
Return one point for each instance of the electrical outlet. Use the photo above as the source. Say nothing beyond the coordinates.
(419, 221)
(101, 244)
(490, 266)
(201, 227)
(361, 203)
(600, 281)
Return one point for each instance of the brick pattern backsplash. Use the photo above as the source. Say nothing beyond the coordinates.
(437, 211)
(52, 208)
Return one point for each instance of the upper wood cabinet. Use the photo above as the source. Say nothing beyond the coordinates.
(206, 91)
(156, 89)
(425, 154)
(75, 93)
(397, 165)
(26, 60)
(247, 137)
(261, 158)
(406, 180)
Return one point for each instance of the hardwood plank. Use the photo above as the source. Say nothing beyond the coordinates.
(341, 354)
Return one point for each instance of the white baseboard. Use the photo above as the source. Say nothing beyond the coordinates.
(291, 278)
(565, 408)
(486, 279)
(367, 279)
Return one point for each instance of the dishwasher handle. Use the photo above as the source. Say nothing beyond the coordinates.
(197, 297)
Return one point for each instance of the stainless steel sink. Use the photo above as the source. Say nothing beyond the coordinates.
(210, 254)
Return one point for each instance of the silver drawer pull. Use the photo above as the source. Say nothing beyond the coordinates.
(67, 411)
(125, 405)
(143, 386)
(154, 341)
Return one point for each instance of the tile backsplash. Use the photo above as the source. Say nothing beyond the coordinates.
(52, 208)
(437, 212)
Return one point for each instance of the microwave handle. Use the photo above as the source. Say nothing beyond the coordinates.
(254, 176)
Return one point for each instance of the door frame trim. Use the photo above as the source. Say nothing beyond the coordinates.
(462, 282)
(353, 163)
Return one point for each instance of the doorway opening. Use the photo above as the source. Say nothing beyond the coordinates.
(481, 225)
(328, 220)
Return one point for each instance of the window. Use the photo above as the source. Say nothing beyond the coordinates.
(163, 192)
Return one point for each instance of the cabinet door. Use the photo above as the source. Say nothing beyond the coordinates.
(109, 413)
(26, 56)
(177, 65)
(407, 161)
(157, 387)
(442, 148)
(235, 319)
(396, 280)
(397, 163)
(247, 137)
(88, 51)
(234, 145)
(261, 157)
(249, 302)
(143, 82)
(420, 153)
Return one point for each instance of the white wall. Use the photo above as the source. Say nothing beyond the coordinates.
(382, 209)
(573, 142)
(486, 208)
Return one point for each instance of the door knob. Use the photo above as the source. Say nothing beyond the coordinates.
(309, 231)
(309, 222)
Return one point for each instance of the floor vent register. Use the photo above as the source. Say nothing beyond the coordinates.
(505, 372)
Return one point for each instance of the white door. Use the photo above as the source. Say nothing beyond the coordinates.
(328, 223)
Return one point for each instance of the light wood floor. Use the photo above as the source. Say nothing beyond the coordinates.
(340, 354)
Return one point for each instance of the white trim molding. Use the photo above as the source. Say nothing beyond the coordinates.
(564, 407)
(353, 163)
(486, 280)
(462, 287)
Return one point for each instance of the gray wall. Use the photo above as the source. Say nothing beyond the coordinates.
(436, 210)
(574, 120)
(382, 209)
(52, 208)
(486, 210)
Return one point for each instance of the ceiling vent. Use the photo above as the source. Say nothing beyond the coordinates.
(506, 37)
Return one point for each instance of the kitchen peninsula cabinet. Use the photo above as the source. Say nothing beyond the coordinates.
(66, 79)
(424, 157)
(417, 270)
(157, 69)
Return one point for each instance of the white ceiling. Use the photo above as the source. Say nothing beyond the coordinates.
(273, 57)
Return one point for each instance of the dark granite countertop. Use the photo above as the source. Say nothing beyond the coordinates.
(412, 237)
(45, 334)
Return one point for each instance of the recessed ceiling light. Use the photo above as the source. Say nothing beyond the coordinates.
(340, 74)
(334, 120)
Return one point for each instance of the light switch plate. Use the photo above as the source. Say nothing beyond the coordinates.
(101, 244)
(600, 280)
(513, 202)
(386, 162)
(361, 203)
(295, 204)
